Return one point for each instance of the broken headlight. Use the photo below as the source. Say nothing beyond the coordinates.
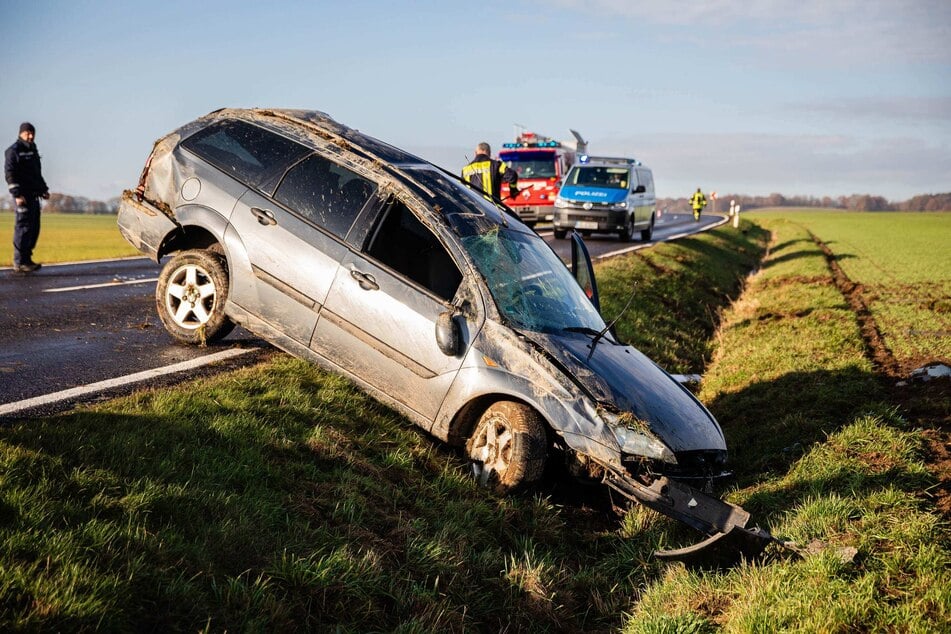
(635, 438)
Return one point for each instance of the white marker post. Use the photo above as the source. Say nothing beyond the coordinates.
(736, 217)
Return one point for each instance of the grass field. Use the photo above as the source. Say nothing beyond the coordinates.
(279, 497)
(902, 262)
(68, 238)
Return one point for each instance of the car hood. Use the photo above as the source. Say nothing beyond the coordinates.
(622, 376)
(578, 193)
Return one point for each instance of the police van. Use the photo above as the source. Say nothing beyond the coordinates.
(607, 195)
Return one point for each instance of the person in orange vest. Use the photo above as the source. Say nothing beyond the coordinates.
(488, 174)
(698, 201)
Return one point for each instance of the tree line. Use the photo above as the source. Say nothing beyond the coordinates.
(855, 202)
(66, 204)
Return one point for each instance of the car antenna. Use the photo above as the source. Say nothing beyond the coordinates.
(597, 337)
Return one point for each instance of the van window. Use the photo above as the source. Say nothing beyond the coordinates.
(599, 176)
(402, 243)
(251, 154)
(325, 193)
(645, 178)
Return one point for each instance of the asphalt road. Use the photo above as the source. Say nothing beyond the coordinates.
(91, 323)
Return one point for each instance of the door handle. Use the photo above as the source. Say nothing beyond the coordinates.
(264, 216)
(366, 281)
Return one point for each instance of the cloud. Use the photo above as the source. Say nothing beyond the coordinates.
(816, 165)
(850, 32)
(923, 109)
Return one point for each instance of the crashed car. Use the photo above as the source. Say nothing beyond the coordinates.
(433, 297)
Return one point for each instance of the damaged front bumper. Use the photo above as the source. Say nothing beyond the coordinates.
(728, 538)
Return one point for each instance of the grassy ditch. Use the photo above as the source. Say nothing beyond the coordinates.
(279, 497)
(822, 454)
(69, 238)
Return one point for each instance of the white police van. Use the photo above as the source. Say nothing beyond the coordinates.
(607, 194)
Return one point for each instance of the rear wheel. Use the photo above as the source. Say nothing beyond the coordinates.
(190, 297)
(508, 447)
(560, 234)
(648, 233)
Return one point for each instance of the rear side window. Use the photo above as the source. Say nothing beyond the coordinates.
(645, 178)
(409, 248)
(325, 193)
(251, 154)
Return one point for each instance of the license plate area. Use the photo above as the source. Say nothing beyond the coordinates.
(586, 224)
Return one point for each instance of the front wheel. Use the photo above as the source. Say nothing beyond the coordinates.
(561, 234)
(190, 297)
(508, 447)
(628, 231)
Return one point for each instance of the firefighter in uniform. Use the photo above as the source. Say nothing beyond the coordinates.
(488, 174)
(26, 185)
(698, 201)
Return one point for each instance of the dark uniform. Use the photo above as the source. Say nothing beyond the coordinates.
(25, 180)
(488, 174)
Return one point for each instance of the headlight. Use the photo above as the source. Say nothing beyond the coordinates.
(622, 205)
(634, 441)
(561, 203)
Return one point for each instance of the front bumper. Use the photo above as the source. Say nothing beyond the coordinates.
(590, 219)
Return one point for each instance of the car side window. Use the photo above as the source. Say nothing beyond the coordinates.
(405, 245)
(325, 193)
(251, 154)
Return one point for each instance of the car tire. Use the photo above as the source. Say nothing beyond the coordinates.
(508, 448)
(648, 233)
(561, 234)
(628, 231)
(190, 297)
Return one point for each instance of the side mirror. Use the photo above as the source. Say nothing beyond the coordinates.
(640, 189)
(583, 270)
(448, 334)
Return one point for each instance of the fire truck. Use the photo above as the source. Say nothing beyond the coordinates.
(540, 162)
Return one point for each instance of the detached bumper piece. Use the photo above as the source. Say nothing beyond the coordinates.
(728, 538)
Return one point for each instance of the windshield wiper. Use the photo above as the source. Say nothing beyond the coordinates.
(582, 329)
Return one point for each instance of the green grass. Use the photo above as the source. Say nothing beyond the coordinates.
(901, 261)
(820, 454)
(279, 497)
(68, 238)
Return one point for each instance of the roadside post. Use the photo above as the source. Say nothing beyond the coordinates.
(736, 217)
(713, 197)
(732, 207)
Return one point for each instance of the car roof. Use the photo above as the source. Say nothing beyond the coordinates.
(399, 165)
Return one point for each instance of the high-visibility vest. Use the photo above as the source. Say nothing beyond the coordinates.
(487, 174)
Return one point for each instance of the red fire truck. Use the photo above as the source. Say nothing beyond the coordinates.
(540, 162)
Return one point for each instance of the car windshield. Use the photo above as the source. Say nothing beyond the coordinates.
(599, 176)
(531, 287)
(531, 164)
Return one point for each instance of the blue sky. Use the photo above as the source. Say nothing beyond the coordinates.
(798, 97)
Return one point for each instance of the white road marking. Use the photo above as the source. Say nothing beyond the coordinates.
(83, 390)
(113, 283)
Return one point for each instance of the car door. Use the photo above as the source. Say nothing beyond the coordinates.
(379, 320)
(295, 241)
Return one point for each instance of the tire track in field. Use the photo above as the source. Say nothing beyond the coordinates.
(876, 350)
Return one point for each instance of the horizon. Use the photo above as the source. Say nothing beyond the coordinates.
(805, 99)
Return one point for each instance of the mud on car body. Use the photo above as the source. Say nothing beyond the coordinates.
(373, 263)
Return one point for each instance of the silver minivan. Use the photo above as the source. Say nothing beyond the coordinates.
(607, 195)
(434, 298)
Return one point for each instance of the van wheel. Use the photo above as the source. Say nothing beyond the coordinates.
(628, 231)
(648, 233)
(561, 234)
(508, 447)
(190, 297)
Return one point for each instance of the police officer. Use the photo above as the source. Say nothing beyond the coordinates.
(698, 201)
(26, 185)
(488, 174)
